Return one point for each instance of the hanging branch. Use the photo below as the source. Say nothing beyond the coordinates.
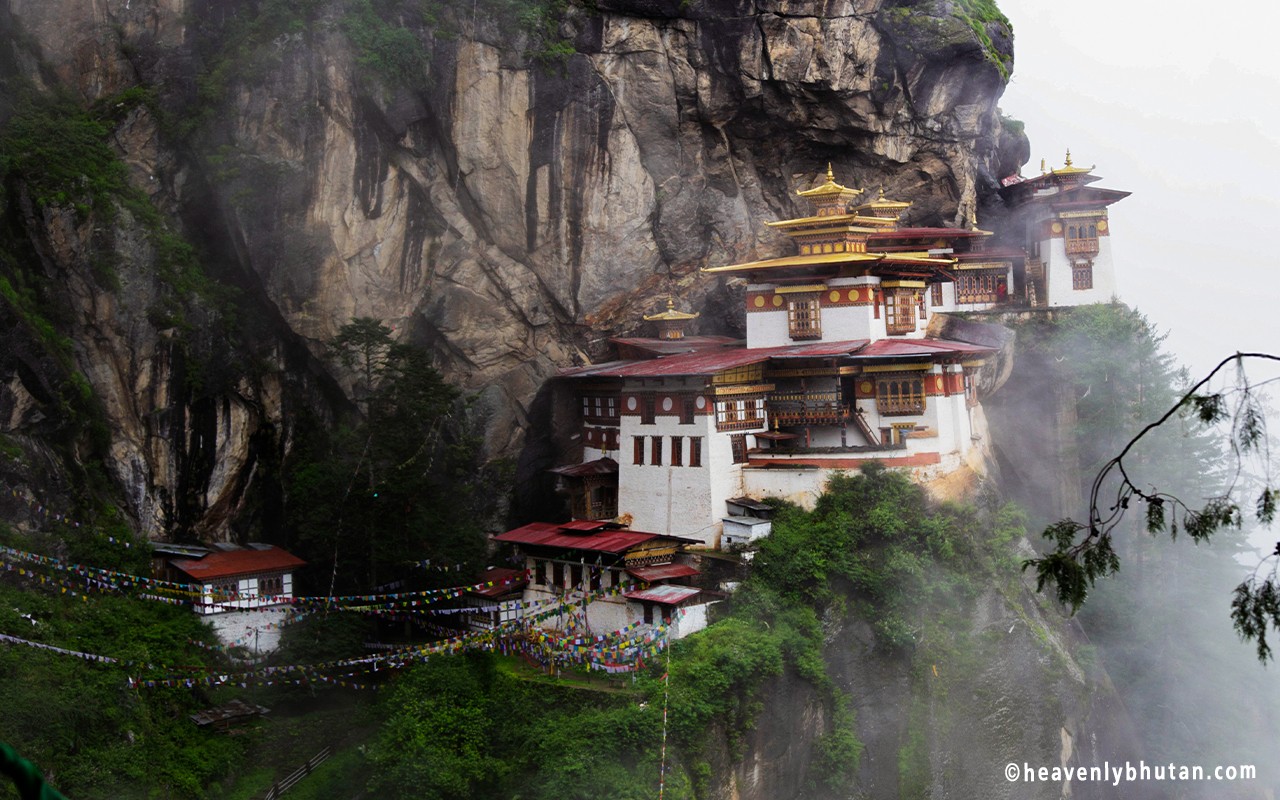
(1078, 561)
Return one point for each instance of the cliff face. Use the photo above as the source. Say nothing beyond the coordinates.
(508, 194)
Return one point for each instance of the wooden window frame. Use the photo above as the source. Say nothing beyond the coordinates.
(688, 409)
(637, 450)
(935, 294)
(695, 451)
(655, 450)
(899, 311)
(901, 394)
(677, 451)
(804, 316)
(738, 444)
(648, 408)
(1082, 276)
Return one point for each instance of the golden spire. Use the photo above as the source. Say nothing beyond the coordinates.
(1068, 164)
(1042, 167)
(831, 176)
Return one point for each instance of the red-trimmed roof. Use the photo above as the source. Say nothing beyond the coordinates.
(818, 349)
(545, 534)
(662, 572)
(505, 581)
(667, 594)
(889, 348)
(705, 363)
(238, 562)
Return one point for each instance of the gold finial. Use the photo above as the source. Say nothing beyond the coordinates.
(1042, 167)
(831, 176)
(671, 303)
(1068, 164)
(881, 193)
(973, 223)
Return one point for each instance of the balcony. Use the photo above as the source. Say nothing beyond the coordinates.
(1082, 247)
(807, 408)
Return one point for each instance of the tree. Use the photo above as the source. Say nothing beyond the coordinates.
(1084, 552)
(403, 482)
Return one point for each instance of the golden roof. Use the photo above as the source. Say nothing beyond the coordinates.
(882, 203)
(830, 189)
(816, 260)
(1068, 169)
(670, 315)
(834, 223)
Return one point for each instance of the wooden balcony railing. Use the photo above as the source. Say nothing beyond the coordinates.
(807, 408)
(1083, 247)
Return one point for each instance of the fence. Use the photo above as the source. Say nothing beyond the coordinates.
(298, 774)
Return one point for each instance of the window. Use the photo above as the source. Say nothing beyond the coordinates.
(935, 294)
(1082, 240)
(677, 451)
(648, 405)
(739, 444)
(803, 317)
(575, 575)
(735, 414)
(557, 575)
(687, 409)
(900, 394)
(900, 311)
(981, 286)
(540, 573)
(1082, 275)
(637, 453)
(920, 304)
(655, 452)
(271, 586)
(695, 451)
(600, 409)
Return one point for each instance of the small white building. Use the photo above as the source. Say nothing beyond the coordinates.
(250, 577)
(1066, 234)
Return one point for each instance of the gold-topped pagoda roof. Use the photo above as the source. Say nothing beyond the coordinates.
(815, 260)
(829, 189)
(841, 222)
(1068, 168)
(882, 204)
(671, 315)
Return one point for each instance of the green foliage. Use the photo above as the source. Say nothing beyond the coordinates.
(59, 151)
(978, 15)
(80, 721)
(873, 539)
(404, 483)
(389, 50)
(460, 727)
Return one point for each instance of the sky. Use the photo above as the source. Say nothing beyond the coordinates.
(1180, 105)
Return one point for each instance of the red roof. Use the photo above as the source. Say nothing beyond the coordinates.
(505, 581)
(703, 363)
(889, 348)
(545, 534)
(662, 572)
(818, 349)
(238, 562)
(667, 594)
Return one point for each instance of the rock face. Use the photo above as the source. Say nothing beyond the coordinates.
(508, 212)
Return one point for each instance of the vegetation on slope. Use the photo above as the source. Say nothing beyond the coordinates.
(1161, 626)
